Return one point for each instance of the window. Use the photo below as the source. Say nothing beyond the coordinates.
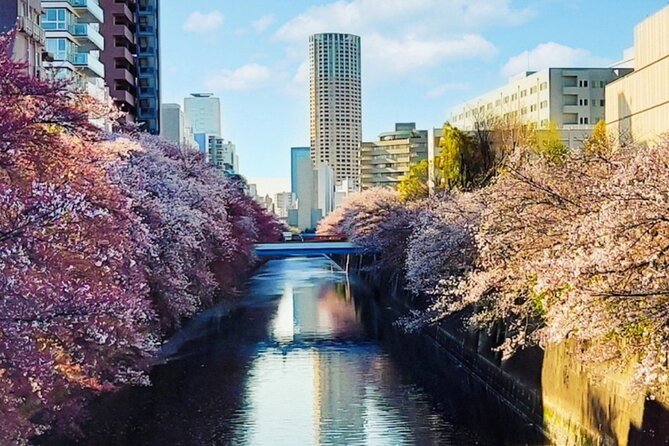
(533, 90)
(60, 48)
(523, 93)
(543, 86)
(583, 83)
(602, 102)
(584, 120)
(544, 104)
(55, 19)
(582, 102)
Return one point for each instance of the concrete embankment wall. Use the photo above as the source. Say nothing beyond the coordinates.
(574, 403)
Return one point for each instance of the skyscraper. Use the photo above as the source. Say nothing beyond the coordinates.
(335, 103)
(203, 111)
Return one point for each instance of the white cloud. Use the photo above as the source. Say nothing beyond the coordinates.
(442, 89)
(198, 22)
(246, 77)
(403, 55)
(416, 16)
(551, 54)
(263, 23)
(400, 36)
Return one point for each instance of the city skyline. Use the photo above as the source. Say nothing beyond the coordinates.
(260, 70)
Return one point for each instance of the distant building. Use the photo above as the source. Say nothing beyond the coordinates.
(637, 106)
(24, 16)
(148, 64)
(387, 161)
(174, 127)
(219, 153)
(571, 98)
(303, 186)
(283, 202)
(335, 103)
(74, 44)
(203, 111)
(325, 189)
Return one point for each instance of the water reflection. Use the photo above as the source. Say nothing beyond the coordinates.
(295, 365)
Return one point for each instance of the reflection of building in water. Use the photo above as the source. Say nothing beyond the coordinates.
(339, 395)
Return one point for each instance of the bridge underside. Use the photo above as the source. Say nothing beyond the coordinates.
(306, 249)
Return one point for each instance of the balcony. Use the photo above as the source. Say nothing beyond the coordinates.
(32, 29)
(91, 65)
(124, 96)
(123, 30)
(120, 52)
(87, 37)
(88, 10)
(121, 9)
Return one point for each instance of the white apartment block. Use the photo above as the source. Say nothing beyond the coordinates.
(74, 43)
(571, 98)
(335, 103)
(175, 128)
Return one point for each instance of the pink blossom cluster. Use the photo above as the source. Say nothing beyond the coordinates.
(553, 249)
(107, 242)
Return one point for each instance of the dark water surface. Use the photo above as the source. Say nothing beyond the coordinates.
(308, 359)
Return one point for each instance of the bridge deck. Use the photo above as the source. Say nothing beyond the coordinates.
(288, 249)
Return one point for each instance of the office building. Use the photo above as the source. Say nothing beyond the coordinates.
(571, 98)
(203, 111)
(148, 65)
(637, 106)
(283, 202)
(303, 186)
(118, 57)
(74, 43)
(24, 16)
(335, 103)
(325, 189)
(387, 161)
(175, 128)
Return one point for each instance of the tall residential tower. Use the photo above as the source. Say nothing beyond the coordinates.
(335, 104)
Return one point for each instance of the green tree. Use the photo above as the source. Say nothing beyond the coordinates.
(548, 143)
(415, 185)
(599, 143)
(460, 162)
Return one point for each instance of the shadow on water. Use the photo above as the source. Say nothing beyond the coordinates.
(309, 357)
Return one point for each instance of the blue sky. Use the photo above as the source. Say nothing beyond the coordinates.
(420, 58)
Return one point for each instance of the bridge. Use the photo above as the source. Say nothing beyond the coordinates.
(306, 249)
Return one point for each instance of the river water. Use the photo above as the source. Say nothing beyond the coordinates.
(307, 358)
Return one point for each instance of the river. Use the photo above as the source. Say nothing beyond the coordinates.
(306, 358)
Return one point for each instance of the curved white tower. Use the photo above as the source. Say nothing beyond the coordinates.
(336, 103)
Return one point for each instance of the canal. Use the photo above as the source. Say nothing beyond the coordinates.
(308, 357)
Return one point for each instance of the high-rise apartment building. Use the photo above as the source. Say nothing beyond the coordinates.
(203, 111)
(74, 43)
(388, 161)
(637, 106)
(335, 103)
(570, 98)
(25, 17)
(148, 65)
(118, 57)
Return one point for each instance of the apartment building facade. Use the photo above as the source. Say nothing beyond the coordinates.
(637, 106)
(571, 98)
(25, 17)
(335, 103)
(388, 161)
(119, 29)
(74, 43)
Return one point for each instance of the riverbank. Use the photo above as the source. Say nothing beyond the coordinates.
(551, 389)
